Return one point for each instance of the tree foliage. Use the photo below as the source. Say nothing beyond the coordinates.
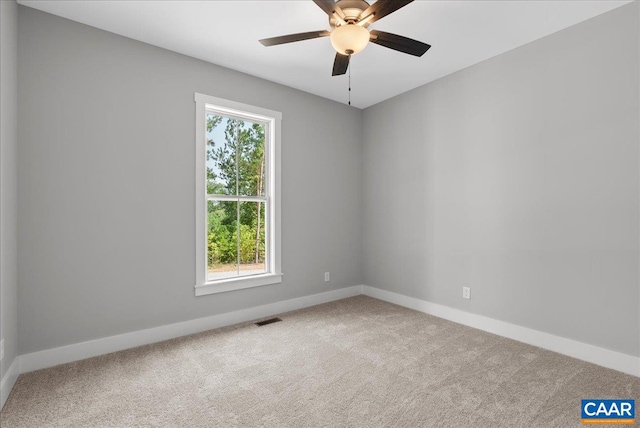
(236, 229)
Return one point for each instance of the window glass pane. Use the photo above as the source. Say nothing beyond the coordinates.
(222, 240)
(221, 155)
(252, 238)
(235, 156)
(251, 164)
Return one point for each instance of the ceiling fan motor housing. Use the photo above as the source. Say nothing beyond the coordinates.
(351, 9)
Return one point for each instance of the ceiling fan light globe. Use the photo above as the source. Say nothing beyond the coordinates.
(349, 39)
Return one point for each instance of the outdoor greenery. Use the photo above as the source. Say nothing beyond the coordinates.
(235, 166)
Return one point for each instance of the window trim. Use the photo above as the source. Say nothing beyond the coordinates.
(245, 111)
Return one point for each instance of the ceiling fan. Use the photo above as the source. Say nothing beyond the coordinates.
(349, 20)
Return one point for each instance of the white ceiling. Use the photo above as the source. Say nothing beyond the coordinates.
(462, 33)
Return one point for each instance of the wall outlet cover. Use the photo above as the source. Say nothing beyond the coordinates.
(466, 292)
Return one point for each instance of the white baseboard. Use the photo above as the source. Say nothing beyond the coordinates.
(9, 379)
(93, 348)
(572, 348)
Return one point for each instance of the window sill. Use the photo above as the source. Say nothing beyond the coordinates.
(232, 284)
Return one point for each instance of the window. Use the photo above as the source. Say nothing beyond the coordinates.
(237, 196)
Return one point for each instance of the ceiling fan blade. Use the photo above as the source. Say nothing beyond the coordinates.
(329, 7)
(382, 8)
(340, 64)
(399, 43)
(294, 37)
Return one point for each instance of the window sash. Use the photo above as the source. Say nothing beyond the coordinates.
(269, 266)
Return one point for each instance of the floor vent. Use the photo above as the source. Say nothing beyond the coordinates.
(269, 321)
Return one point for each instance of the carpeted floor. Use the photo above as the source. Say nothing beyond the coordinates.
(357, 362)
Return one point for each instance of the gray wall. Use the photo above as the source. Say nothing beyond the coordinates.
(106, 185)
(8, 182)
(517, 177)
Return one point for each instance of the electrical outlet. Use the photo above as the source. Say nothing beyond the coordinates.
(466, 292)
(327, 277)
(1, 349)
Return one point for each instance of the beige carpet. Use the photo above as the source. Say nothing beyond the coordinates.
(357, 362)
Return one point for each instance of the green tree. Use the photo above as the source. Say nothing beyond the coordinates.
(240, 166)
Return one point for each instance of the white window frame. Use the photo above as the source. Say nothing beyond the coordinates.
(256, 114)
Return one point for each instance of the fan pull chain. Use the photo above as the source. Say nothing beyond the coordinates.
(349, 79)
